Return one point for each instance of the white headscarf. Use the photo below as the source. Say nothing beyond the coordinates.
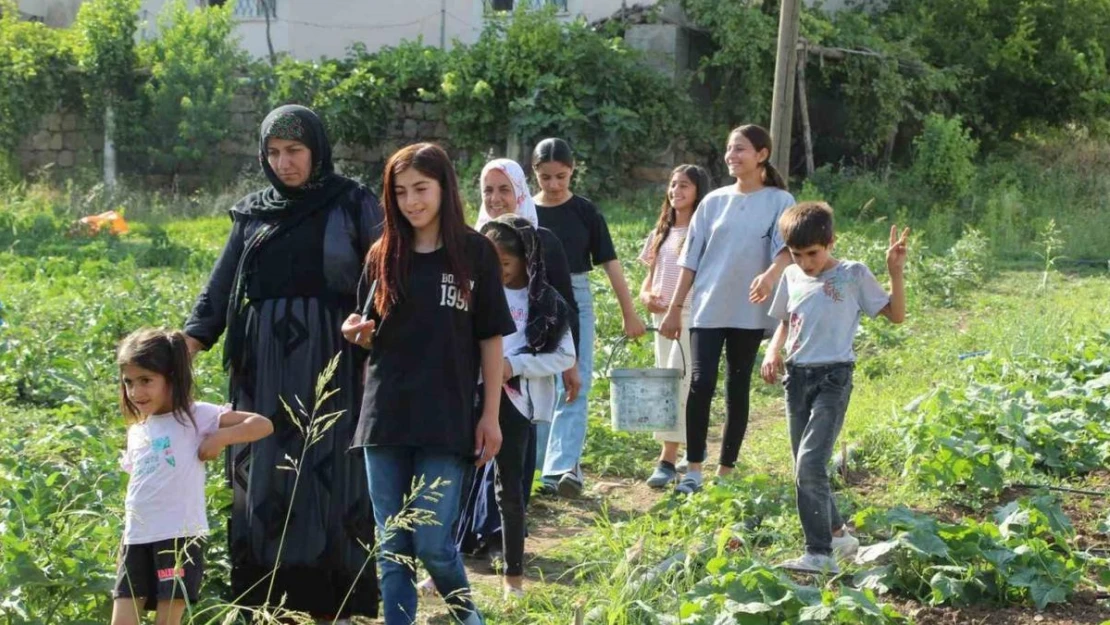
(525, 207)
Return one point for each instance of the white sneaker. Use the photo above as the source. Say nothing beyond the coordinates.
(845, 546)
(511, 593)
(812, 563)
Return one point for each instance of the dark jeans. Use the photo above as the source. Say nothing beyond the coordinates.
(816, 401)
(516, 434)
(741, 347)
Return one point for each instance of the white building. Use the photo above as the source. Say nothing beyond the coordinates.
(309, 29)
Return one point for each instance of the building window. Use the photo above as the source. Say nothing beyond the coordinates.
(248, 8)
(509, 5)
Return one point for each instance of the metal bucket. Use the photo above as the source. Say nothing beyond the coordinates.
(645, 400)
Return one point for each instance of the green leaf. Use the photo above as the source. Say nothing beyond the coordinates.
(871, 553)
(752, 607)
(1046, 592)
(819, 613)
(925, 542)
(945, 589)
(715, 565)
(879, 579)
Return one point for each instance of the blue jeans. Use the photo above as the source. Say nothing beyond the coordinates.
(559, 445)
(392, 473)
(816, 401)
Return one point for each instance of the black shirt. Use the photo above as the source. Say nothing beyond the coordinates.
(582, 230)
(558, 274)
(425, 357)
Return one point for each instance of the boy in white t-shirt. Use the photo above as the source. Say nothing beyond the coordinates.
(818, 304)
(169, 436)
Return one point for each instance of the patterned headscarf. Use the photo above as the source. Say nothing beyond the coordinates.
(548, 312)
(525, 207)
(295, 123)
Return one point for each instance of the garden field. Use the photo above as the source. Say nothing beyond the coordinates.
(965, 425)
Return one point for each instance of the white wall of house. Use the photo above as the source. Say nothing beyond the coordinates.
(310, 29)
(58, 13)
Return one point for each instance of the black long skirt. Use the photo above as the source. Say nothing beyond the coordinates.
(318, 527)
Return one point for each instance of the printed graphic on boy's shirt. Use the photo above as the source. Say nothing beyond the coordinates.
(451, 296)
(833, 288)
(794, 334)
(162, 447)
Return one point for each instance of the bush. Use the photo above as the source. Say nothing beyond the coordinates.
(105, 51)
(943, 157)
(187, 100)
(35, 64)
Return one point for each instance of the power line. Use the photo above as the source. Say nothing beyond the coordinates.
(349, 26)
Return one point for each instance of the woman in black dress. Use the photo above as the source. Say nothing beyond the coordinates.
(284, 283)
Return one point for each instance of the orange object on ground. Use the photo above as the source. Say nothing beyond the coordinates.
(113, 220)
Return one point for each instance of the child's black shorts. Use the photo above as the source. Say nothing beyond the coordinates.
(161, 571)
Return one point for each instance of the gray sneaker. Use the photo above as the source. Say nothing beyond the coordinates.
(569, 486)
(812, 563)
(664, 474)
(682, 465)
(845, 546)
(688, 486)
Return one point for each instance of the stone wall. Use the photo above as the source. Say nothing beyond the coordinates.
(67, 140)
(63, 140)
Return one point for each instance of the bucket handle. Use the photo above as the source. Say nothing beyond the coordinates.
(623, 340)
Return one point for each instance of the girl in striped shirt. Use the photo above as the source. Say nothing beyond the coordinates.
(688, 185)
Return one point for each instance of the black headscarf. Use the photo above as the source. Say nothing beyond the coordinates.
(548, 312)
(295, 123)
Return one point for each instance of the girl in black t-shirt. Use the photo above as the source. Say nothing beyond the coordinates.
(436, 319)
(585, 237)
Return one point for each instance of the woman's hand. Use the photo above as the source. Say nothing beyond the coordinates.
(572, 382)
(487, 439)
(506, 371)
(634, 326)
(357, 331)
(762, 287)
(194, 346)
(652, 302)
(671, 327)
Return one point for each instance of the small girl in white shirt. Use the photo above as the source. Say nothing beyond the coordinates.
(169, 436)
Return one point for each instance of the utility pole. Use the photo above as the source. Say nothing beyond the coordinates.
(782, 104)
(443, 24)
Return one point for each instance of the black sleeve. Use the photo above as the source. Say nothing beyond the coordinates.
(601, 242)
(558, 275)
(209, 317)
(491, 310)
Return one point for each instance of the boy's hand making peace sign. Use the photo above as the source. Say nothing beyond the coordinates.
(896, 253)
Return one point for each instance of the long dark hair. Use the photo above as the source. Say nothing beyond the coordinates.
(164, 352)
(389, 259)
(667, 214)
(761, 140)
